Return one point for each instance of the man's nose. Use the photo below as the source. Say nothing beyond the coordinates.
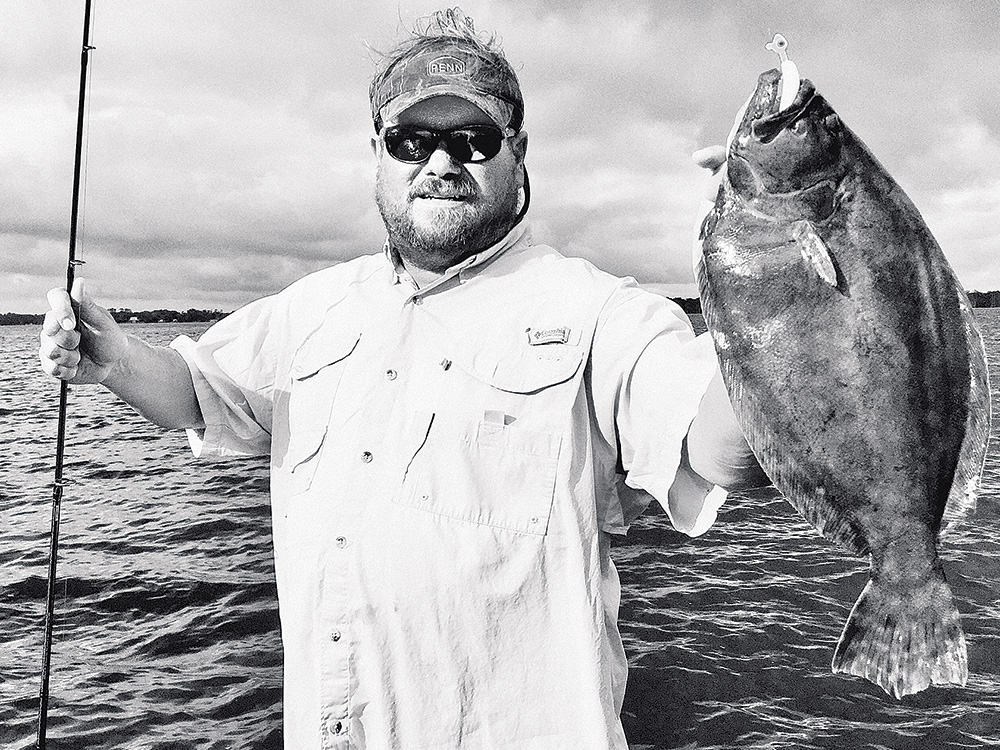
(442, 164)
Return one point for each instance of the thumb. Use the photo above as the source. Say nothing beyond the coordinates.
(90, 313)
(77, 292)
(710, 157)
(713, 159)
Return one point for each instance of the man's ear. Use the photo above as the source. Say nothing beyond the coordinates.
(519, 146)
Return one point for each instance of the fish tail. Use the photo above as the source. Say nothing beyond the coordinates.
(904, 642)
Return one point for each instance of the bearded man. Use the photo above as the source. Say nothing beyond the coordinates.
(456, 426)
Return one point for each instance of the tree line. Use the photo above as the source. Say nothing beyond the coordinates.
(125, 315)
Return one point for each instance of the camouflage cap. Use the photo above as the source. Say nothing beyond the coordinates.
(453, 66)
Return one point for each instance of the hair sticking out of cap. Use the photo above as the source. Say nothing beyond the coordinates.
(449, 22)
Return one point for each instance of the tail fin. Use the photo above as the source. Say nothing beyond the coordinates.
(904, 643)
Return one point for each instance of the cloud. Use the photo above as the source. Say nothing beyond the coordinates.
(228, 141)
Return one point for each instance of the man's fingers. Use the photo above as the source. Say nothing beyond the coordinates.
(65, 353)
(57, 361)
(52, 330)
(58, 371)
(58, 345)
(51, 324)
(710, 157)
(60, 305)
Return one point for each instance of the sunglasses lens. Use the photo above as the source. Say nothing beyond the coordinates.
(471, 144)
(411, 146)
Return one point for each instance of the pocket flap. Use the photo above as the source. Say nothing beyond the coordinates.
(526, 369)
(321, 349)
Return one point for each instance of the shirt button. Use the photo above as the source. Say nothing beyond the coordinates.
(341, 541)
(334, 726)
(367, 457)
(335, 636)
(391, 374)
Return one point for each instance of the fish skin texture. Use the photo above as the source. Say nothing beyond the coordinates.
(855, 367)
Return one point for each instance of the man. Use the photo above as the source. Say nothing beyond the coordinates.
(456, 428)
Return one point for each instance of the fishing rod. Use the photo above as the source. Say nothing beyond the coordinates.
(57, 484)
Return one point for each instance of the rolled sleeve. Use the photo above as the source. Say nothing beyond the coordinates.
(663, 372)
(233, 376)
(663, 394)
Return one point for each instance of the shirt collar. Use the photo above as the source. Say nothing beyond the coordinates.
(519, 235)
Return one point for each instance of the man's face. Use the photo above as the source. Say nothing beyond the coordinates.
(440, 211)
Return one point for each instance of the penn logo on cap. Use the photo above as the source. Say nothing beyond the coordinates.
(446, 66)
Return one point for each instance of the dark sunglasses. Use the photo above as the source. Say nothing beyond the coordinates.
(469, 144)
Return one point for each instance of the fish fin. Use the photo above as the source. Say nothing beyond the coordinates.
(812, 504)
(815, 252)
(904, 643)
(972, 455)
(800, 490)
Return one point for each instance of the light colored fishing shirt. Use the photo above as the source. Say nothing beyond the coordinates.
(447, 467)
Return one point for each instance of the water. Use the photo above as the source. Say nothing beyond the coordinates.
(167, 630)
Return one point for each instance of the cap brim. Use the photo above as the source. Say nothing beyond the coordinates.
(496, 109)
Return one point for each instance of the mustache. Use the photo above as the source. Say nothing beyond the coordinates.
(435, 187)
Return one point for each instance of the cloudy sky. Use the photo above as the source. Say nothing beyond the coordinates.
(228, 139)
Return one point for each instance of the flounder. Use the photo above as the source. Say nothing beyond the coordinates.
(855, 367)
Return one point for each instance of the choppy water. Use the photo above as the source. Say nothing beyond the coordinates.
(167, 630)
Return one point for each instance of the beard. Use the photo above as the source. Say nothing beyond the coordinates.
(435, 235)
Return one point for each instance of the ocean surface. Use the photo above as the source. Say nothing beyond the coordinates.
(166, 634)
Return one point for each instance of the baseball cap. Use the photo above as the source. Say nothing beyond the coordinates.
(446, 65)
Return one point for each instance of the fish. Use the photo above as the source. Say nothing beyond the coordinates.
(855, 367)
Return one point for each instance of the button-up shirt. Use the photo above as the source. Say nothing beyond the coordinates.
(447, 466)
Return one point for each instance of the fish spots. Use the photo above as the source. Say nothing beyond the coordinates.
(766, 334)
(731, 257)
(762, 336)
(720, 339)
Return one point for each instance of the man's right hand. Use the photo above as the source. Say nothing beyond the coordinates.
(84, 356)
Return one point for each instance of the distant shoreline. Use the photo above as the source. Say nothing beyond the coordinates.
(123, 315)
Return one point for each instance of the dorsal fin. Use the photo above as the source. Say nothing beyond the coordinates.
(972, 456)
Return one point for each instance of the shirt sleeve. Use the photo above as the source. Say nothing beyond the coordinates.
(650, 372)
(233, 368)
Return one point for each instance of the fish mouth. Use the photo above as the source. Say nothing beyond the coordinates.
(784, 152)
(767, 127)
(762, 117)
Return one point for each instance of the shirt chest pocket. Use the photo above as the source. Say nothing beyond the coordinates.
(304, 409)
(494, 467)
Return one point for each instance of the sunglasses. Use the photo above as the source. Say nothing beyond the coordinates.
(470, 144)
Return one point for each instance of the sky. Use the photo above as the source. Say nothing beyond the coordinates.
(227, 149)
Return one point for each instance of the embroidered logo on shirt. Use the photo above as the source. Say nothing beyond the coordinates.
(548, 336)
